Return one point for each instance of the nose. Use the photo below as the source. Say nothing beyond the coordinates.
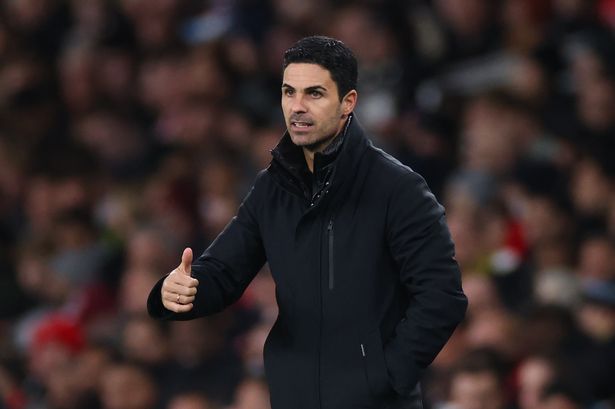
(297, 105)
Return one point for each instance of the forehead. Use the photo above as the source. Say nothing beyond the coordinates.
(303, 75)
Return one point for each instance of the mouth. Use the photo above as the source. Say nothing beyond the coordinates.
(301, 125)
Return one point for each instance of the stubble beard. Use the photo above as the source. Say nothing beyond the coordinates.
(319, 145)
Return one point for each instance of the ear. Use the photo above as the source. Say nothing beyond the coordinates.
(349, 102)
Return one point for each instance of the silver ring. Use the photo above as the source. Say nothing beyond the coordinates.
(177, 298)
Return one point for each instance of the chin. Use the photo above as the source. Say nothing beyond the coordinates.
(302, 140)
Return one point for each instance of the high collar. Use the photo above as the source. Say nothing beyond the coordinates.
(289, 165)
(328, 155)
(292, 158)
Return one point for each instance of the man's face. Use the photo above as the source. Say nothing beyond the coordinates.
(311, 104)
(476, 391)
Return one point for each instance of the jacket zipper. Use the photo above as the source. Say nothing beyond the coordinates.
(331, 282)
(331, 259)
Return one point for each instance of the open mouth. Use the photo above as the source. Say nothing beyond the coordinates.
(300, 124)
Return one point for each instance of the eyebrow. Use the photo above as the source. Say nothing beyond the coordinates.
(308, 89)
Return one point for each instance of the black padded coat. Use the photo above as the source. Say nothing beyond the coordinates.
(367, 284)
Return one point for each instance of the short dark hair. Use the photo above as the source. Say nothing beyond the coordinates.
(480, 361)
(565, 389)
(329, 53)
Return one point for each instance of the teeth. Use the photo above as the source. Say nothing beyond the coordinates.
(301, 124)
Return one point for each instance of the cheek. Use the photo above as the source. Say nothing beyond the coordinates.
(284, 106)
(330, 113)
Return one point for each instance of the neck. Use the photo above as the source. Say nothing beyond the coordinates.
(309, 158)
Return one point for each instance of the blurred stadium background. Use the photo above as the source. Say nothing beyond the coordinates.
(131, 128)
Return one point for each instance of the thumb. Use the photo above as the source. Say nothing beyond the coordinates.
(186, 264)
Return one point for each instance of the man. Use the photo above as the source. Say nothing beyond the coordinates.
(366, 282)
(477, 382)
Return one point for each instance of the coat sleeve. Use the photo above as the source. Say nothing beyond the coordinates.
(226, 267)
(421, 245)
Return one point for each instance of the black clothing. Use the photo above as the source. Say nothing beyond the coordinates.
(324, 162)
(366, 281)
(292, 159)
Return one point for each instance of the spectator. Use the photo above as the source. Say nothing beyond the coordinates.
(252, 393)
(477, 382)
(535, 374)
(560, 397)
(127, 386)
(190, 400)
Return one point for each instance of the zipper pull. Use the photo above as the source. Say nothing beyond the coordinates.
(330, 227)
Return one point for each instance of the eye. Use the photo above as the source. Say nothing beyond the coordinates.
(288, 92)
(316, 94)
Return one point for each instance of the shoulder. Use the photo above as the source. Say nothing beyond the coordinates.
(391, 172)
(258, 190)
(263, 180)
(266, 183)
(404, 189)
(262, 177)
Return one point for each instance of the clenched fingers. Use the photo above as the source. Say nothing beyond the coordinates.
(176, 307)
(178, 291)
(178, 298)
(173, 288)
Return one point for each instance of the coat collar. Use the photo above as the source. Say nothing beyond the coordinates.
(345, 151)
(292, 158)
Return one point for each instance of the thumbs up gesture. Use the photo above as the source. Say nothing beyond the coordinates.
(179, 288)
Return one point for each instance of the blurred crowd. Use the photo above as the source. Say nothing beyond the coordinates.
(132, 128)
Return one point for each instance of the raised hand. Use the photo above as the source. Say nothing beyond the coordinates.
(179, 288)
